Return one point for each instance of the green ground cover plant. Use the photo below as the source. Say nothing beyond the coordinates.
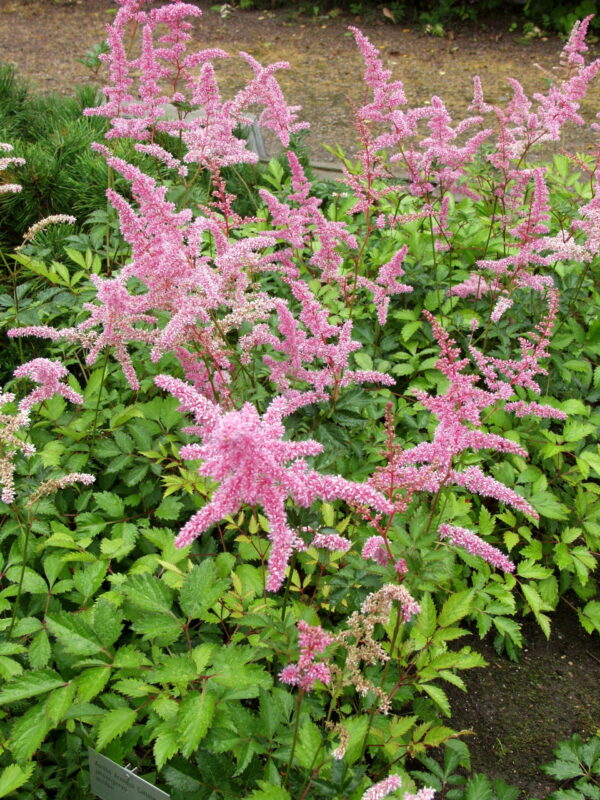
(272, 457)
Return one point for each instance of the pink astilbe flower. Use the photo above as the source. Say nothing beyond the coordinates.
(575, 46)
(116, 312)
(520, 125)
(265, 90)
(502, 306)
(459, 411)
(5, 162)
(532, 208)
(49, 375)
(461, 537)
(375, 549)
(249, 458)
(312, 640)
(315, 351)
(521, 372)
(384, 788)
(386, 284)
(331, 541)
(520, 408)
(11, 444)
(426, 793)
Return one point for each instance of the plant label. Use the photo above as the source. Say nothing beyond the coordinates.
(110, 781)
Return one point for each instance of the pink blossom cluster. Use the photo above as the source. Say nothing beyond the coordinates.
(246, 453)
(5, 163)
(459, 429)
(49, 375)
(374, 548)
(164, 75)
(312, 640)
(393, 782)
(461, 537)
(11, 443)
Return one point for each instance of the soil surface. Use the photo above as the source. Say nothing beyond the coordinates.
(518, 713)
(44, 39)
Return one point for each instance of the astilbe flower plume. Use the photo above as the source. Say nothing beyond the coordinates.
(461, 537)
(49, 375)
(5, 163)
(360, 643)
(315, 351)
(459, 411)
(313, 640)
(246, 453)
(11, 444)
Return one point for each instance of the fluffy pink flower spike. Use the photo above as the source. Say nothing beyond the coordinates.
(246, 453)
(49, 375)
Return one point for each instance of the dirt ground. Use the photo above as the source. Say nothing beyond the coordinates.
(518, 712)
(44, 39)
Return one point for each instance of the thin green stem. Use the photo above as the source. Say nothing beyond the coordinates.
(97, 409)
(26, 529)
(301, 694)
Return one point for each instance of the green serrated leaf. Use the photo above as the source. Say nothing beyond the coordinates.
(31, 684)
(193, 721)
(115, 723)
(166, 743)
(39, 650)
(91, 682)
(202, 588)
(268, 791)
(438, 696)
(28, 732)
(456, 607)
(110, 503)
(74, 634)
(149, 594)
(107, 622)
(13, 777)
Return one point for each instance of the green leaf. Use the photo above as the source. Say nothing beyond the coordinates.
(270, 713)
(478, 788)
(91, 682)
(111, 503)
(33, 583)
(59, 702)
(193, 720)
(589, 616)
(107, 622)
(357, 728)
(39, 650)
(89, 578)
(268, 791)
(28, 732)
(74, 634)
(166, 743)
(309, 741)
(547, 505)
(425, 622)
(456, 607)
(13, 777)
(30, 685)
(201, 589)
(149, 593)
(169, 509)
(438, 696)
(115, 723)
(232, 671)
